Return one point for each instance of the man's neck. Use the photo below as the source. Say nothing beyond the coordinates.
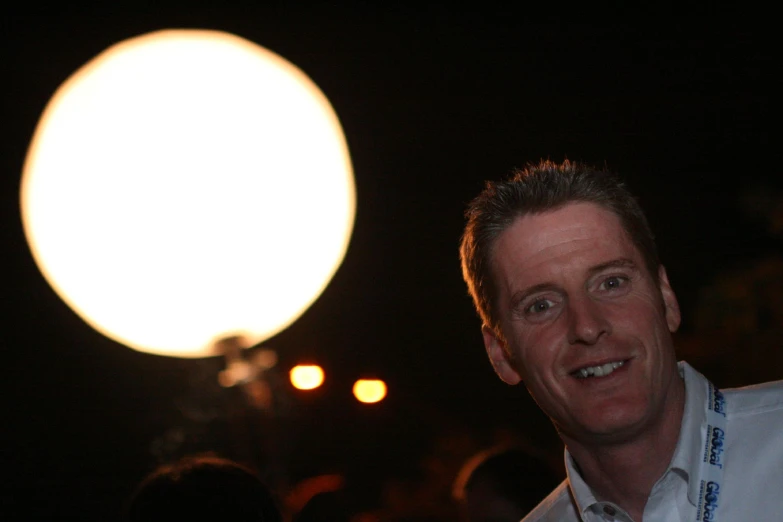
(625, 472)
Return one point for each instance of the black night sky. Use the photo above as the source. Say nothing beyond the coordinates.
(433, 101)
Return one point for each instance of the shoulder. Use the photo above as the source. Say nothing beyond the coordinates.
(753, 459)
(557, 506)
(760, 399)
(754, 416)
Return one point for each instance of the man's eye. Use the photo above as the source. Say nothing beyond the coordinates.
(542, 305)
(613, 283)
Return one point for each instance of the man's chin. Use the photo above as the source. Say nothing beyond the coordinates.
(610, 428)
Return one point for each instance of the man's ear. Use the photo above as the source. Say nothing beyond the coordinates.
(673, 316)
(498, 356)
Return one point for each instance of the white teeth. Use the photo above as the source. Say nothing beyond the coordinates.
(600, 370)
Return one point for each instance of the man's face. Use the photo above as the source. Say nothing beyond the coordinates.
(585, 325)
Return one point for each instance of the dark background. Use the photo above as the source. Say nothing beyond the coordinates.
(433, 101)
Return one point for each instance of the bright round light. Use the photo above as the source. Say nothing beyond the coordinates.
(369, 390)
(306, 376)
(186, 186)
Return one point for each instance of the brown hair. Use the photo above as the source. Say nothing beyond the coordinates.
(535, 189)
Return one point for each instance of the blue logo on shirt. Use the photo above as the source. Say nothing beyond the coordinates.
(716, 447)
(719, 402)
(712, 492)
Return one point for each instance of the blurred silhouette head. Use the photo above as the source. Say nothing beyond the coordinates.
(202, 487)
(327, 506)
(502, 485)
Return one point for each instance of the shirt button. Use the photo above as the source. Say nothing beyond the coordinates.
(609, 510)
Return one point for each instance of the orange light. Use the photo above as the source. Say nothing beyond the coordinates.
(369, 390)
(307, 376)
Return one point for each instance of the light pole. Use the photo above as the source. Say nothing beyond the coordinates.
(188, 193)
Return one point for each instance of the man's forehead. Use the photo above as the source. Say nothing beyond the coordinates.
(571, 241)
(576, 225)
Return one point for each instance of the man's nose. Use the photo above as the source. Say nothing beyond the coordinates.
(586, 321)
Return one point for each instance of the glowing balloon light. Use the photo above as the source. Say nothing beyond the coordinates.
(306, 376)
(369, 390)
(186, 186)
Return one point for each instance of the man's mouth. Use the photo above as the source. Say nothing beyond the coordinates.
(602, 370)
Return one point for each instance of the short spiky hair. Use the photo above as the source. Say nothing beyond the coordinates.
(535, 189)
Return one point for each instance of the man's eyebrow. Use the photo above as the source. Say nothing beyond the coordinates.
(623, 262)
(520, 296)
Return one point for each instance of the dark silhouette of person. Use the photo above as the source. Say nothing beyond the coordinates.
(327, 506)
(502, 485)
(202, 487)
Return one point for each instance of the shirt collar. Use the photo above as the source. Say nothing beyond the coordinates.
(583, 495)
(686, 456)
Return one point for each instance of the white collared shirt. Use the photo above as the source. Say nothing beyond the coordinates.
(753, 464)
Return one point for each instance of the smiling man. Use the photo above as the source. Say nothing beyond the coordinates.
(564, 272)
